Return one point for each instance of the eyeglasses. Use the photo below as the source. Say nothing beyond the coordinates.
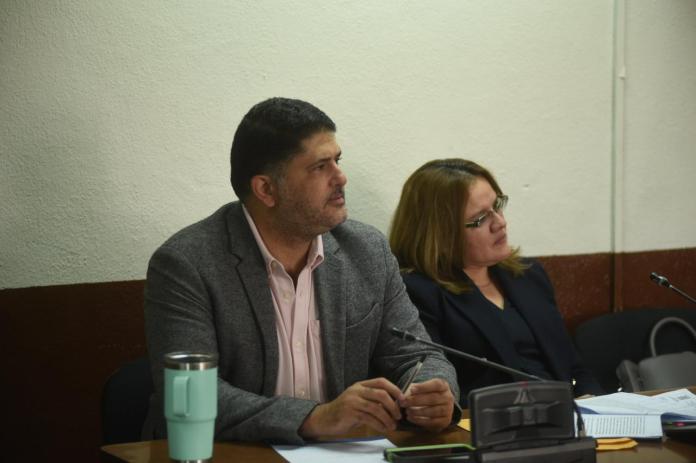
(498, 207)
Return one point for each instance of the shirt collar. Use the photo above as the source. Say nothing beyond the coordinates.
(315, 256)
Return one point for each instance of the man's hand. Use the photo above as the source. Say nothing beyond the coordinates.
(372, 403)
(429, 404)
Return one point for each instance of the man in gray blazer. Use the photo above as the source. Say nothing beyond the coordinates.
(295, 299)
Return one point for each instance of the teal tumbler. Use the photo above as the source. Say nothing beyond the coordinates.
(190, 404)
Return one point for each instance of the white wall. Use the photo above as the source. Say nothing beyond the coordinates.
(116, 118)
(659, 193)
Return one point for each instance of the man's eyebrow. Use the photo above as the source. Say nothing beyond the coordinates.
(324, 159)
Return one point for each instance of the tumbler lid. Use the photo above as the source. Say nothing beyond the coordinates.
(190, 361)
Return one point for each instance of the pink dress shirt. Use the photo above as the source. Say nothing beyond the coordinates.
(300, 362)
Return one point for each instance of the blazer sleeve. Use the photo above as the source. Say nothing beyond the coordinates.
(179, 316)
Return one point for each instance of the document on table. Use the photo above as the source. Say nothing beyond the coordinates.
(634, 426)
(349, 451)
(678, 404)
(624, 414)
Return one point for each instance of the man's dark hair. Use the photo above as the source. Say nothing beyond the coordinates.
(269, 135)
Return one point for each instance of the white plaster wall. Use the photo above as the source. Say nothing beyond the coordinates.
(659, 194)
(116, 117)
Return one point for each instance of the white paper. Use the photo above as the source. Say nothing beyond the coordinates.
(620, 403)
(634, 426)
(352, 451)
(679, 404)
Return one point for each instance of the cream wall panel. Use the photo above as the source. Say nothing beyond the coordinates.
(659, 194)
(116, 117)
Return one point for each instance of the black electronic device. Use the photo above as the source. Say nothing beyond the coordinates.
(682, 430)
(527, 422)
(524, 422)
(580, 450)
(484, 361)
(511, 415)
(430, 453)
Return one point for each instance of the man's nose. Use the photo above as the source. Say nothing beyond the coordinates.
(340, 178)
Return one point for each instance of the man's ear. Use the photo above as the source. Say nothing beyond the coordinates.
(265, 189)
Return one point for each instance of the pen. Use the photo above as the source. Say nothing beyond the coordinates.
(414, 372)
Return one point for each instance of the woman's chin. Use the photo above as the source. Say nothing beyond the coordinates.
(505, 252)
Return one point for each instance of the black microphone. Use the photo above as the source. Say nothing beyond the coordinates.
(662, 281)
(405, 335)
(480, 360)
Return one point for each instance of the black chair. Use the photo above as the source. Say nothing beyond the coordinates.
(125, 401)
(603, 342)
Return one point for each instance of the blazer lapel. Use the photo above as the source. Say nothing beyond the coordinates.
(252, 273)
(482, 314)
(331, 301)
(527, 303)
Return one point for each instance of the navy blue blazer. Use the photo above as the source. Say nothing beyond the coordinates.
(468, 322)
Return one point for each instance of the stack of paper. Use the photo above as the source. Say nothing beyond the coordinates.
(633, 415)
(634, 426)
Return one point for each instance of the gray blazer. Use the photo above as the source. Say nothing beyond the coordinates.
(207, 290)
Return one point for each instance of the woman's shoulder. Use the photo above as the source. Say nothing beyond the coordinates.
(533, 275)
(530, 267)
(419, 284)
(417, 279)
(536, 270)
(425, 293)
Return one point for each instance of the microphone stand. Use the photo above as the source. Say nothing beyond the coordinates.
(405, 335)
(662, 281)
(480, 360)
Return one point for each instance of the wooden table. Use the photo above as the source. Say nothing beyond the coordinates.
(668, 451)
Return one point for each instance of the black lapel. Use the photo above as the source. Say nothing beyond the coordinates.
(482, 314)
(534, 309)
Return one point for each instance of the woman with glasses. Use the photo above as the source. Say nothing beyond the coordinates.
(473, 290)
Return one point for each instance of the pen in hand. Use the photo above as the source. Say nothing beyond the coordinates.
(414, 373)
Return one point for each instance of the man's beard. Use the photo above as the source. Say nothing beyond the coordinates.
(296, 218)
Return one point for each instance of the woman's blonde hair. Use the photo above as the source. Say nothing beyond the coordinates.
(426, 232)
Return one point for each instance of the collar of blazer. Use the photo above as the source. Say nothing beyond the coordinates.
(480, 312)
(530, 300)
(329, 293)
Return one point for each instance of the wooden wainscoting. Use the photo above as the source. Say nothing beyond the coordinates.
(62, 342)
